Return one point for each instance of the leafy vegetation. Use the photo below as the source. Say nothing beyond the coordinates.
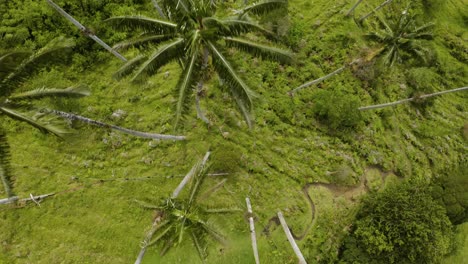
(401, 224)
(297, 142)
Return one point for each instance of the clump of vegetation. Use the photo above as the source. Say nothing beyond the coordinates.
(337, 109)
(401, 224)
(449, 189)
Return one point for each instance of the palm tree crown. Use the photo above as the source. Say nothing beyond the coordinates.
(400, 37)
(191, 33)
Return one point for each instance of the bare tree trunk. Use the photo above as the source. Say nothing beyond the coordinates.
(411, 99)
(291, 239)
(352, 8)
(252, 231)
(85, 30)
(189, 175)
(35, 199)
(156, 5)
(71, 116)
(375, 10)
(323, 78)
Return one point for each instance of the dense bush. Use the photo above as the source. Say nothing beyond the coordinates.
(401, 224)
(337, 109)
(450, 190)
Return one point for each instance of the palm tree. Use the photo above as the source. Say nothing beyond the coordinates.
(15, 68)
(190, 34)
(177, 217)
(400, 37)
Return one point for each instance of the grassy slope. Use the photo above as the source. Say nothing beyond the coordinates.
(288, 148)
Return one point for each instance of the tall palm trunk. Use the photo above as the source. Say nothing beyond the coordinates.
(252, 231)
(291, 239)
(323, 78)
(375, 10)
(85, 30)
(352, 8)
(370, 107)
(72, 117)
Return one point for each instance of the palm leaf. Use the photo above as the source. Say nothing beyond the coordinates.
(198, 245)
(9, 61)
(5, 168)
(31, 64)
(146, 24)
(129, 66)
(164, 54)
(234, 27)
(161, 234)
(186, 81)
(264, 7)
(217, 236)
(263, 51)
(73, 91)
(143, 39)
(44, 122)
(241, 92)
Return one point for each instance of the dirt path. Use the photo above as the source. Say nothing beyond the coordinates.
(348, 192)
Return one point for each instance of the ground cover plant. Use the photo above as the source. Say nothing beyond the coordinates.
(301, 157)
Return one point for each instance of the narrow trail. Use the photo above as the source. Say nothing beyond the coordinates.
(349, 192)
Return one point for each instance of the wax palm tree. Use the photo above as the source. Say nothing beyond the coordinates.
(178, 218)
(191, 33)
(400, 38)
(15, 68)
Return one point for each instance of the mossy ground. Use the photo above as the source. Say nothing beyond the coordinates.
(92, 222)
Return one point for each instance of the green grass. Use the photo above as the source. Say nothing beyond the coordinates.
(100, 223)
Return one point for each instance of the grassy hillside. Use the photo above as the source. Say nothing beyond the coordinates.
(93, 217)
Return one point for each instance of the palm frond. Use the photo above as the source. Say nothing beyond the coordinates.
(211, 230)
(129, 66)
(233, 27)
(161, 234)
(143, 23)
(73, 91)
(9, 61)
(164, 54)
(186, 82)
(143, 39)
(199, 245)
(148, 205)
(242, 93)
(44, 122)
(222, 210)
(263, 51)
(5, 168)
(264, 7)
(31, 64)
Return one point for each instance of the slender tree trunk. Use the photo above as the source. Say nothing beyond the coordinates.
(85, 31)
(252, 231)
(352, 8)
(291, 239)
(375, 10)
(158, 8)
(190, 175)
(31, 198)
(86, 120)
(370, 107)
(323, 78)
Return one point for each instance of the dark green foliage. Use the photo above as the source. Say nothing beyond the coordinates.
(195, 33)
(450, 188)
(337, 109)
(401, 224)
(422, 81)
(400, 38)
